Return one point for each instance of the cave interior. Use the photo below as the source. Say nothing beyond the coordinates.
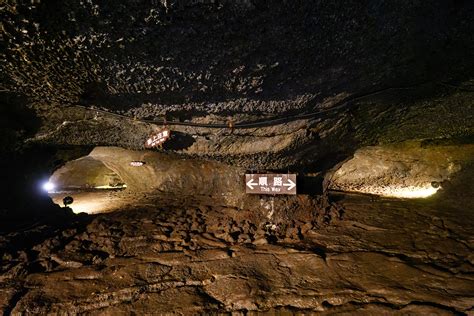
(368, 104)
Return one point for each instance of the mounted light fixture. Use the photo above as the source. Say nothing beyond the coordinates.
(48, 186)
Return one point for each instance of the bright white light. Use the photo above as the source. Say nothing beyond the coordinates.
(136, 163)
(48, 186)
(408, 192)
(108, 187)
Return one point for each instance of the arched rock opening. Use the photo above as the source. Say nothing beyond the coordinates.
(155, 175)
(84, 174)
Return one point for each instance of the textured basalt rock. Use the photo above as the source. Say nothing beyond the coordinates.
(402, 170)
(80, 74)
(204, 61)
(378, 257)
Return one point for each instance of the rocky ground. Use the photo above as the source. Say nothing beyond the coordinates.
(156, 251)
(188, 256)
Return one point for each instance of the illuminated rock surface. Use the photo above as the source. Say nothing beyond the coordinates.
(375, 96)
(409, 170)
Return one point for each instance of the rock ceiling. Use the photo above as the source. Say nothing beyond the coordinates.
(379, 72)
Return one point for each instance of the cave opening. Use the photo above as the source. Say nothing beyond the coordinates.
(90, 183)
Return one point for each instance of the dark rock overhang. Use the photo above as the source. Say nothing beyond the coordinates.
(391, 72)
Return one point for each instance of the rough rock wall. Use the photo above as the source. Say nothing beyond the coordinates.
(207, 60)
(245, 55)
(84, 173)
(404, 170)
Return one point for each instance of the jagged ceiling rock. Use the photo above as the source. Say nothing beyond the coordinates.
(391, 71)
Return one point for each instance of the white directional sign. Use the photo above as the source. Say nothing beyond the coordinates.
(270, 184)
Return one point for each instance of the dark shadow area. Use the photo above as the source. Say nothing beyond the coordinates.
(310, 185)
(94, 93)
(17, 122)
(456, 195)
(24, 167)
(24, 200)
(178, 141)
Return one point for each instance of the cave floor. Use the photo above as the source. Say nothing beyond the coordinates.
(96, 201)
(372, 256)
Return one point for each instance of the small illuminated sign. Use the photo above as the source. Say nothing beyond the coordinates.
(270, 184)
(158, 138)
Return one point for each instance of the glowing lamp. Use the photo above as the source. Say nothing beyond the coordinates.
(48, 186)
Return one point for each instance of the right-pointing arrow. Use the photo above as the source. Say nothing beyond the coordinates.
(290, 185)
(250, 183)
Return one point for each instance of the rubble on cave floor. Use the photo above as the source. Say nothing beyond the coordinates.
(378, 256)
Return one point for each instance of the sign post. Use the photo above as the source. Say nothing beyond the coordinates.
(270, 184)
(158, 138)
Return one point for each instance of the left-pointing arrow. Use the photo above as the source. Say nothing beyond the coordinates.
(290, 185)
(250, 184)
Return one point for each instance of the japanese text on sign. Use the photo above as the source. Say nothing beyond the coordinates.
(270, 184)
(158, 138)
